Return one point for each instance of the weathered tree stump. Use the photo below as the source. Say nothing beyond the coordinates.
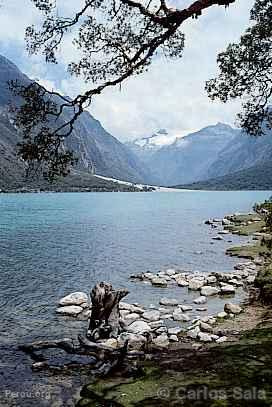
(105, 320)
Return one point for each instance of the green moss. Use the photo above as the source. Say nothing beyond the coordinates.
(246, 230)
(197, 379)
(247, 252)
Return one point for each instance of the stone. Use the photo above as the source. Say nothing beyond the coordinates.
(178, 315)
(215, 337)
(204, 337)
(173, 338)
(223, 232)
(164, 310)
(200, 300)
(208, 222)
(139, 327)
(156, 324)
(131, 308)
(131, 318)
(170, 272)
(161, 330)
(175, 331)
(226, 222)
(228, 289)
(149, 276)
(151, 315)
(172, 302)
(250, 279)
(76, 298)
(185, 308)
(237, 283)
(222, 339)
(201, 309)
(205, 327)
(222, 315)
(72, 310)
(135, 341)
(211, 279)
(218, 238)
(159, 282)
(196, 284)
(193, 333)
(208, 290)
(161, 341)
(181, 282)
(232, 308)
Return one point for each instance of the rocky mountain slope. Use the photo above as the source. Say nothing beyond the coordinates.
(93, 145)
(209, 153)
(257, 177)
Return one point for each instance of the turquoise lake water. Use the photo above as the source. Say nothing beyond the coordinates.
(53, 244)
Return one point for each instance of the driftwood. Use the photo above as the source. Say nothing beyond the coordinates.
(105, 321)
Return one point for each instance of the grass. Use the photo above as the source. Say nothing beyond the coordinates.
(248, 251)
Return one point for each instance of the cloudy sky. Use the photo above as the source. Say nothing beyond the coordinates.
(171, 95)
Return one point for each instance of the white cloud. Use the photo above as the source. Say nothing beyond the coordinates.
(171, 95)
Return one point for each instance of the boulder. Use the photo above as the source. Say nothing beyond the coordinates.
(211, 279)
(156, 324)
(131, 317)
(204, 337)
(193, 333)
(196, 284)
(135, 341)
(222, 315)
(205, 327)
(159, 282)
(173, 338)
(72, 310)
(200, 300)
(170, 272)
(139, 327)
(76, 298)
(175, 331)
(232, 308)
(201, 309)
(151, 315)
(228, 289)
(208, 290)
(250, 279)
(181, 282)
(217, 238)
(161, 341)
(222, 339)
(172, 302)
(178, 315)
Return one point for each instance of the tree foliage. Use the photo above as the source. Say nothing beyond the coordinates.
(116, 39)
(245, 71)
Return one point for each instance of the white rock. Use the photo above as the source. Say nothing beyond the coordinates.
(222, 339)
(151, 315)
(196, 284)
(204, 337)
(211, 279)
(201, 309)
(208, 290)
(215, 337)
(149, 276)
(156, 324)
(193, 333)
(131, 317)
(161, 341)
(131, 308)
(217, 238)
(205, 327)
(222, 315)
(170, 272)
(178, 315)
(159, 282)
(232, 308)
(226, 222)
(175, 331)
(139, 327)
(76, 298)
(250, 279)
(228, 289)
(169, 302)
(173, 338)
(72, 310)
(200, 300)
(181, 282)
(135, 341)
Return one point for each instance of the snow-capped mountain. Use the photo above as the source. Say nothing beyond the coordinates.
(159, 139)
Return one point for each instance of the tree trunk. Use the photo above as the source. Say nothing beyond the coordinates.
(105, 319)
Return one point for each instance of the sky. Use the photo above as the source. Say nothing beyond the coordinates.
(169, 96)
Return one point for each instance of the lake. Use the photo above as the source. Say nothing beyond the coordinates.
(53, 244)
